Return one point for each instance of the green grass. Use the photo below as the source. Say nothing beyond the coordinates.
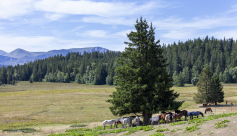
(78, 125)
(162, 130)
(24, 130)
(221, 124)
(99, 131)
(173, 130)
(45, 103)
(157, 134)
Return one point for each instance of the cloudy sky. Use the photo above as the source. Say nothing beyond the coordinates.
(43, 25)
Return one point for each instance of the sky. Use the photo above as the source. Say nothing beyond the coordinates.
(43, 25)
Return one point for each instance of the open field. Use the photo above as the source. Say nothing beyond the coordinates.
(52, 107)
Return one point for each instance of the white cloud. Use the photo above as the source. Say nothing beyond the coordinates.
(54, 17)
(174, 29)
(178, 34)
(110, 20)
(121, 35)
(95, 33)
(234, 9)
(14, 8)
(226, 34)
(104, 9)
(172, 23)
(42, 43)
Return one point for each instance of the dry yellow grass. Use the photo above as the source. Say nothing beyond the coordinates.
(43, 103)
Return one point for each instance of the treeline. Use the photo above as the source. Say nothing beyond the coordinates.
(186, 60)
(90, 68)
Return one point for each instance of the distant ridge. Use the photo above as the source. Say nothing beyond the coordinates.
(2, 52)
(17, 53)
(20, 56)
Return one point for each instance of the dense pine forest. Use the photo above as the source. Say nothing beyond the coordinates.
(89, 68)
(186, 60)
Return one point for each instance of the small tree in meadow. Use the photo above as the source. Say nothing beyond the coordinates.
(209, 88)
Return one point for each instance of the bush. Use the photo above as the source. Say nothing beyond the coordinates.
(194, 81)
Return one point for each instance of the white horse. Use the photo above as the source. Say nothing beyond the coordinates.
(109, 122)
(126, 121)
(157, 118)
(137, 121)
(167, 117)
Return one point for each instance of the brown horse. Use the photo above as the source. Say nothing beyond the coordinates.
(162, 116)
(208, 109)
(177, 116)
(117, 121)
(183, 112)
(204, 104)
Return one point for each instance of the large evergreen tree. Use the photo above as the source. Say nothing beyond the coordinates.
(143, 84)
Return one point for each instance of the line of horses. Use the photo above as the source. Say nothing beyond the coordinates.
(165, 116)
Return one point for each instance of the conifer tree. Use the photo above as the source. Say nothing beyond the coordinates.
(209, 87)
(216, 94)
(142, 82)
(204, 85)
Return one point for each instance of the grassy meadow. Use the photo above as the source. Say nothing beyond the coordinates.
(44, 103)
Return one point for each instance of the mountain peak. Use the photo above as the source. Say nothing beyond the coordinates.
(2, 52)
(21, 56)
(19, 53)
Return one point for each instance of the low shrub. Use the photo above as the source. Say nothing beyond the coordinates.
(78, 125)
(177, 123)
(157, 134)
(162, 130)
(221, 124)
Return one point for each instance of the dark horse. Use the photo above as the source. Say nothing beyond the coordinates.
(194, 113)
(184, 112)
(208, 109)
(204, 104)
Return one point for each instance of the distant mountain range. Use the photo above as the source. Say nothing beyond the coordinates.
(20, 56)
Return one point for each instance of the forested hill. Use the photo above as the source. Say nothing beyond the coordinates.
(186, 61)
(188, 58)
(90, 68)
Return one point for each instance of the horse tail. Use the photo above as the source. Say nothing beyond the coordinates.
(205, 111)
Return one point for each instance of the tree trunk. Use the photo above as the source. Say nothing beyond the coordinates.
(146, 118)
(215, 102)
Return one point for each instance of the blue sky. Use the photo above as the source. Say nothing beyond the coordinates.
(43, 25)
